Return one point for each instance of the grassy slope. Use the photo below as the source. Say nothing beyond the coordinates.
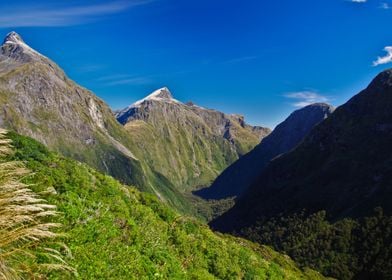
(186, 158)
(187, 144)
(117, 232)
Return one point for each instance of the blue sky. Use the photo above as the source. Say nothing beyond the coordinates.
(258, 58)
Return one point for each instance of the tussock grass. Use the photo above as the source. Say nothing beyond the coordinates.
(27, 237)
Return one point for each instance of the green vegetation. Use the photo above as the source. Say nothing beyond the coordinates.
(28, 246)
(187, 157)
(117, 232)
(207, 210)
(188, 146)
(347, 249)
(343, 167)
(71, 120)
(38, 100)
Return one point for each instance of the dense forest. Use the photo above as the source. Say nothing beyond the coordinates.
(347, 249)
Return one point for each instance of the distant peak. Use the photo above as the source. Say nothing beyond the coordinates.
(13, 37)
(316, 107)
(382, 80)
(321, 105)
(162, 93)
(315, 111)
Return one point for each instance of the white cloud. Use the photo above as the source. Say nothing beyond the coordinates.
(47, 16)
(359, 1)
(304, 98)
(385, 6)
(384, 59)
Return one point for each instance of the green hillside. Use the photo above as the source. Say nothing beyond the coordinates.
(327, 203)
(187, 144)
(117, 232)
(38, 100)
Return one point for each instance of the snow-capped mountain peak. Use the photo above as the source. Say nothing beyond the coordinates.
(13, 38)
(14, 47)
(162, 94)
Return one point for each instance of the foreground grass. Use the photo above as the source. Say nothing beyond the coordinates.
(28, 239)
(117, 232)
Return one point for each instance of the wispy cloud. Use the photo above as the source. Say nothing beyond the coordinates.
(304, 98)
(385, 6)
(384, 59)
(124, 79)
(128, 79)
(240, 59)
(358, 1)
(48, 16)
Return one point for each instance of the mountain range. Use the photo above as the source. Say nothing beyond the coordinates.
(339, 174)
(317, 188)
(343, 165)
(37, 99)
(188, 144)
(238, 177)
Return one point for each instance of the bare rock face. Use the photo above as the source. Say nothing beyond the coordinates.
(38, 100)
(188, 144)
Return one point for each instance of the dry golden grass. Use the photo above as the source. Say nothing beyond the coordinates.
(25, 233)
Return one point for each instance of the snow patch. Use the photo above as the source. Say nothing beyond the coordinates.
(25, 48)
(162, 94)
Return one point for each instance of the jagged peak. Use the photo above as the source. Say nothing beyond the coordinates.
(13, 37)
(14, 47)
(163, 93)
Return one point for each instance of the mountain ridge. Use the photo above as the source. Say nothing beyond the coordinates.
(37, 99)
(234, 180)
(336, 141)
(327, 202)
(191, 145)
